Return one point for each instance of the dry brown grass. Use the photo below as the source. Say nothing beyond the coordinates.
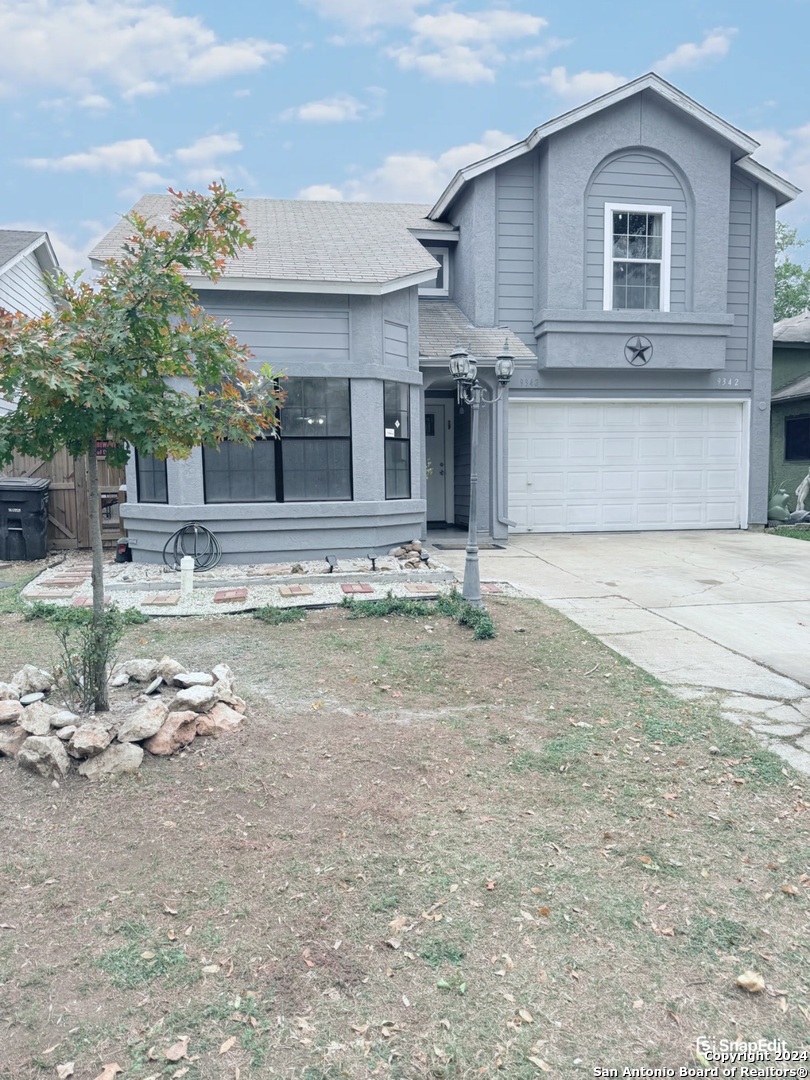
(414, 862)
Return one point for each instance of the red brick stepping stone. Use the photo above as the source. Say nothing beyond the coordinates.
(59, 583)
(162, 600)
(230, 596)
(294, 590)
(356, 587)
(87, 601)
(48, 594)
(490, 587)
(420, 587)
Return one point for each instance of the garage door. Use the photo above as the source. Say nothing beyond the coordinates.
(615, 465)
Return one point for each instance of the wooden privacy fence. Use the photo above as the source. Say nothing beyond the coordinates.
(68, 516)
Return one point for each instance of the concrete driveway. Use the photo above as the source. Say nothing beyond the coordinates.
(724, 613)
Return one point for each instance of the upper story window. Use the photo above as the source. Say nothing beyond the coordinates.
(441, 286)
(151, 476)
(637, 257)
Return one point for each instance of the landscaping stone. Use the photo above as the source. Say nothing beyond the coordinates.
(198, 698)
(782, 731)
(219, 721)
(65, 733)
(193, 678)
(118, 679)
(168, 667)
(45, 756)
(11, 740)
(143, 724)
(89, 740)
(63, 718)
(36, 719)
(29, 699)
(8, 692)
(222, 673)
(140, 670)
(786, 714)
(10, 712)
(177, 731)
(154, 686)
(116, 760)
(223, 691)
(32, 680)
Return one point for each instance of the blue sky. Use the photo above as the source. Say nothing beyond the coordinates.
(104, 100)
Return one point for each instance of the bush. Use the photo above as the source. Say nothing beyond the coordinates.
(451, 604)
(277, 615)
(71, 616)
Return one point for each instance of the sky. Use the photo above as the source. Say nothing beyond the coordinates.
(102, 101)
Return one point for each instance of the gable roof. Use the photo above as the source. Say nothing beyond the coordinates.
(15, 244)
(793, 331)
(354, 247)
(743, 145)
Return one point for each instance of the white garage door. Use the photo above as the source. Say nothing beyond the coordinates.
(612, 465)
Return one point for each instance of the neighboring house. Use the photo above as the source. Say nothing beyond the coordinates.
(623, 253)
(26, 262)
(790, 405)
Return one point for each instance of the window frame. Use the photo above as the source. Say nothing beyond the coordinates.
(150, 502)
(792, 420)
(441, 253)
(665, 262)
(401, 440)
(278, 457)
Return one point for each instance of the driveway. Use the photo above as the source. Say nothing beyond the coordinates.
(725, 613)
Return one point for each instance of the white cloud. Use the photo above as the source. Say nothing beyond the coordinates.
(202, 158)
(411, 176)
(132, 46)
(772, 148)
(333, 110)
(714, 46)
(115, 157)
(454, 46)
(582, 86)
(365, 14)
(788, 154)
(94, 101)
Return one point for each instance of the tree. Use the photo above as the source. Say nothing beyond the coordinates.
(134, 359)
(792, 284)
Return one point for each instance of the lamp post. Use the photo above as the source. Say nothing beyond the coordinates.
(469, 391)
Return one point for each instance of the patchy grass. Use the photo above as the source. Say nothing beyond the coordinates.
(277, 616)
(790, 532)
(426, 856)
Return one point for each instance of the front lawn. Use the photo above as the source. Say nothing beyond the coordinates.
(425, 856)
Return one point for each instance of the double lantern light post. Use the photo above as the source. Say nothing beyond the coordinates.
(469, 391)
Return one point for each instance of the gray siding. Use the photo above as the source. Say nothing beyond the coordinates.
(395, 344)
(635, 178)
(516, 248)
(23, 288)
(739, 272)
(286, 329)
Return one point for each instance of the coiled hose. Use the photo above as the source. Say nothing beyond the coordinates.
(195, 540)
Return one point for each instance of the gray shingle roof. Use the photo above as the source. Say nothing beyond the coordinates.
(799, 388)
(793, 331)
(442, 325)
(353, 242)
(13, 241)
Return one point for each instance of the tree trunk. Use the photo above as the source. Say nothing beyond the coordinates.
(98, 664)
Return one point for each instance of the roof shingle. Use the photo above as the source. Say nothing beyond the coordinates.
(443, 325)
(13, 241)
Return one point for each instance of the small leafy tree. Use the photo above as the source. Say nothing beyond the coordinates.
(792, 282)
(135, 359)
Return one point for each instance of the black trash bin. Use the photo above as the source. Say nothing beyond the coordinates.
(23, 518)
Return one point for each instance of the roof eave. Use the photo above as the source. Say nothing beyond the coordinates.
(650, 81)
(40, 247)
(298, 285)
(785, 191)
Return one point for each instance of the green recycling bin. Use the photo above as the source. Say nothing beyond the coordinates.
(23, 518)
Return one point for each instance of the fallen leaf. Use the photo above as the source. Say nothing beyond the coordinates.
(65, 1070)
(397, 924)
(791, 890)
(638, 1004)
(147, 955)
(540, 1064)
(491, 884)
(178, 1051)
(179, 1072)
(526, 1016)
(169, 910)
(544, 911)
(751, 981)
(110, 1072)
(227, 1045)
(361, 1029)
(211, 969)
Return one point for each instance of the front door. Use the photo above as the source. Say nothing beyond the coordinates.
(435, 445)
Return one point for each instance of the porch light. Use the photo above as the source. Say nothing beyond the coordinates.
(461, 363)
(504, 365)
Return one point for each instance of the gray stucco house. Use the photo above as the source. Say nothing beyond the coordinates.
(790, 405)
(623, 253)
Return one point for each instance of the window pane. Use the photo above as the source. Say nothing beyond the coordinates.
(316, 408)
(620, 223)
(638, 247)
(638, 224)
(396, 410)
(151, 476)
(317, 469)
(397, 469)
(238, 472)
(654, 247)
(797, 438)
(635, 298)
(619, 247)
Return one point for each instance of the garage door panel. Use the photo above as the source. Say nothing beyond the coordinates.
(627, 465)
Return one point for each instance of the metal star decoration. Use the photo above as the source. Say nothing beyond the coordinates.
(638, 351)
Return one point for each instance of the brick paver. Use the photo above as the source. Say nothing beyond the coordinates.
(86, 601)
(162, 600)
(294, 590)
(490, 587)
(421, 587)
(356, 587)
(47, 594)
(230, 596)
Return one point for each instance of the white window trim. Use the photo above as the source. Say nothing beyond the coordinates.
(442, 256)
(666, 249)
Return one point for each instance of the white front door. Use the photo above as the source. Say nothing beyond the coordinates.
(605, 465)
(435, 456)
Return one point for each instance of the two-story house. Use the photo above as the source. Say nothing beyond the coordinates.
(622, 253)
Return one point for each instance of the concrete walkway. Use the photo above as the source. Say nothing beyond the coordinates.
(722, 613)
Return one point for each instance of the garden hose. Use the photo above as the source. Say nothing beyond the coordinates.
(195, 540)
